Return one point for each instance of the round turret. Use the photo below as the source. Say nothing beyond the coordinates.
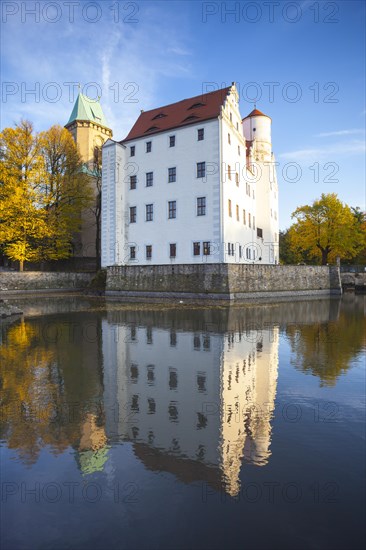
(257, 126)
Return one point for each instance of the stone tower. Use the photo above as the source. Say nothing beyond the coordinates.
(88, 127)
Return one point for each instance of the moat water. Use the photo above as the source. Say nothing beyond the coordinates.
(142, 426)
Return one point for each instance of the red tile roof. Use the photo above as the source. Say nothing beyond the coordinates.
(255, 112)
(176, 115)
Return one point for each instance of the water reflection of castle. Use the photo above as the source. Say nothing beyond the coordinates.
(194, 403)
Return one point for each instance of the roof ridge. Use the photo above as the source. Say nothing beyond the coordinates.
(187, 98)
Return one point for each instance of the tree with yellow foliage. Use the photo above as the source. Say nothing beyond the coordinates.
(326, 229)
(66, 189)
(22, 207)
(42, 192)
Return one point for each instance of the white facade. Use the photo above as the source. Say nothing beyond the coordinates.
(192, 213)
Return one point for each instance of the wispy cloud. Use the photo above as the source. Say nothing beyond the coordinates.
(342, 133)
(128, 67)
(329, 153)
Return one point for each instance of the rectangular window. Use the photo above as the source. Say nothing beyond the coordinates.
(201, 169)
(229, 207)
(229, 171)
(149, 212)
(133, 210)
(253, 222)
(132, 151)
(240, 251)
(229, 139)
(171, 141)
(239, 150)
(206, 245)
(173, 250)
(149, 179)
(259, 232)
(172, 174)
(237, 212)
(133, 181)
(173, 379)
(249, 219)
(148, 147)
(172, 212)
(237, 179)
(201, 382)
(132, 252)
(173, 338)
(148, 252)
(229, 249)
(231, 117)
(201, 206)
(248, 254)
(200, 134)
(196, 249)
(244, 218)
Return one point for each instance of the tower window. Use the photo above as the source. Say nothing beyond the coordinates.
(197, 249)
(172, 210)
(149, 179)
(206, 245)
(133, 214)
(172, 174)
(201, 206)
(201, 169)
(133, 181)
(149, 212)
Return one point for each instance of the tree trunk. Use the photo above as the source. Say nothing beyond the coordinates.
(324, 256)
(21, 265)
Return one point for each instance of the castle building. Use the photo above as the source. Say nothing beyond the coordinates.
(88, 126)
(191, 182)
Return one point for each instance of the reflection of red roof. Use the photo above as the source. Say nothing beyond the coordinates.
(188, 111)
(255, 112)
(185, 469)
(248, 144)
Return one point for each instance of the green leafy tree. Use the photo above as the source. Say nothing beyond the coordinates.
(326, 229)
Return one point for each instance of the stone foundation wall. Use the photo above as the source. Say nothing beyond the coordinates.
(353, 281)
(34, 281)
(222, 281)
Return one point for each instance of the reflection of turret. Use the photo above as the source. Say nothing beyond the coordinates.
(248, 381)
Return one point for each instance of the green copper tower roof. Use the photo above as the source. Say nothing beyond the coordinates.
(87, 109)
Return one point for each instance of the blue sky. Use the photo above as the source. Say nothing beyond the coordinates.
(302, 62)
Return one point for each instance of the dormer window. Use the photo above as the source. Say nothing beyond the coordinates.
(160, 115)
(151, 129)
(196, 105)
(191, 117)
